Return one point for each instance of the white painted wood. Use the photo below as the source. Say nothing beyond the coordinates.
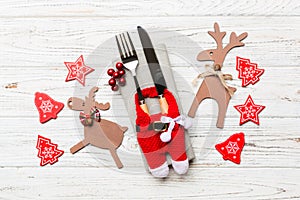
(266, 146)
(98, 183)
(278, 90)
(274, 41)
(152, 8)
(36, 37)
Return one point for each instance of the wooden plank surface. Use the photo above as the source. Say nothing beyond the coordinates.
(136, 8)
(36, 37)
(33, 42)
(96, 183)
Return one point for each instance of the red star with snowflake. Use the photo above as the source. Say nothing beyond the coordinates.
(249, 111)
(78, 70)
(248, 72)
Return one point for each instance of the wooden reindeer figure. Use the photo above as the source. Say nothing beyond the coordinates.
(98, 132)
(214, 85)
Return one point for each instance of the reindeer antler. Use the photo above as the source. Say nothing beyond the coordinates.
(92, 92)
(218, 55)
(217, 35)
(101, 106)
(235, 41)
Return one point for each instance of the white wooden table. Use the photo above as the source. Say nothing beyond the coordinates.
(36, 37)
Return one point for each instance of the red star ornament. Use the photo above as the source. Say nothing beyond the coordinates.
(248, 72)
(232, 148)
(47, 107)
(48, 151)
(78, 70)
(249, 111)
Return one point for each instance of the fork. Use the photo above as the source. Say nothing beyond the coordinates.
(130, 61)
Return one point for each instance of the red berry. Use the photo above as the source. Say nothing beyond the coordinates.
(110, 71)
(122, 81)
(115, 88)
(115, 75)
(119, 65)
(112, 82)
(121, 72)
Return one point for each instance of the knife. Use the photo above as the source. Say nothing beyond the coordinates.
(155, 69)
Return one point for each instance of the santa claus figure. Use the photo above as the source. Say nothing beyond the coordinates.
(162, 134)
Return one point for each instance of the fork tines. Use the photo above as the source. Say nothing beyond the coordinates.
(125, 46)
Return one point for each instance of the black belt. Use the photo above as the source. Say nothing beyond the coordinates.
(157, 126)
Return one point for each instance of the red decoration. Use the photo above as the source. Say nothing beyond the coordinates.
(143, 119)
(112, 82)
(248, 72)
(121, 72)
(119, 65)
(47, 107)
(249, 111)
(115, 88)
(231, 149)
(48, 151)
(122, 81)
(78, 70)
(110, 71)
(115, 75)
(153, 148)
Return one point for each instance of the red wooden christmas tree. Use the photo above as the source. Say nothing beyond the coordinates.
(48, 151)
(248, 72)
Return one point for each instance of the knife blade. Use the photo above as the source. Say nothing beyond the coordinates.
(155, 69)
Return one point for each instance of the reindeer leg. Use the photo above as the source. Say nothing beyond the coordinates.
(222, 104)
(193, 108)
(79, 146)
(116, 158)
(123, 128)
(201, 94)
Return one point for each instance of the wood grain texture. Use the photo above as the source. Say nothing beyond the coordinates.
(274, 41)
(136, 8)
(95, 183)
(266, 146)
(51, 80)
(36, 37)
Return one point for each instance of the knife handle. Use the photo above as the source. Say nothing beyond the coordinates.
(164, 107)
(144, 107)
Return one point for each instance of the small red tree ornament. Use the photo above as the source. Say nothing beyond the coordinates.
(48, 151)
(248, 72)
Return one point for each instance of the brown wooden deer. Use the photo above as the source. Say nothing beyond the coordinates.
(97, 132)
(213, 85)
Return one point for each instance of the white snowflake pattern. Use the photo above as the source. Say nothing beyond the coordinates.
(77, 69)
(74, 69)
(46, 106)
(250, 111)
(81, 71)
(249, 71)
(232, 147)
(48, 152)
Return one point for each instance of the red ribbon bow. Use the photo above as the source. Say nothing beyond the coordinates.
(87, 119)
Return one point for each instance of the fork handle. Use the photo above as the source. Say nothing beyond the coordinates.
(138, 90)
